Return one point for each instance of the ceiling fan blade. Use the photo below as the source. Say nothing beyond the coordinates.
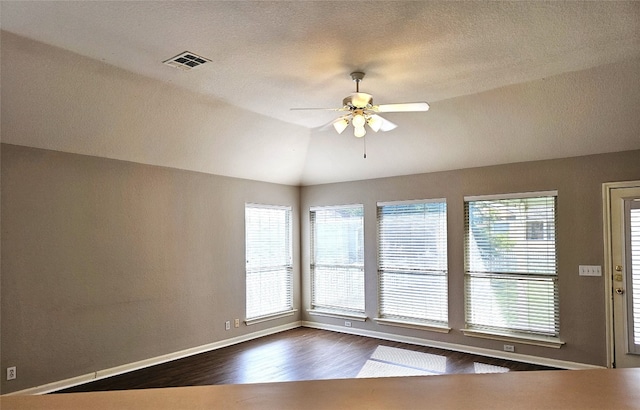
(377, 123)
(330, 125)
(320, 109)
(387, 125)
(401, 107)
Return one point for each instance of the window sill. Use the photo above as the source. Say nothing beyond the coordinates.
(359, 317)
(413, 325)
(272, 316)
(542, 341)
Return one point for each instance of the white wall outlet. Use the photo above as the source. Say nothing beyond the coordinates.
(590, 270)
(227, 325)
(236, 323)
(509, 348)
(347, 323)
(11, 373)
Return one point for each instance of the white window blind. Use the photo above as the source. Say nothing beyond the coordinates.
(412, 261)
(511, 272)
(337, 259)
(269, 262)
(633, 259)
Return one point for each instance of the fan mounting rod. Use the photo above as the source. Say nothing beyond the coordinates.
(357, 76)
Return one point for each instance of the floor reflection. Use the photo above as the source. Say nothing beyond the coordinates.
(264, 363)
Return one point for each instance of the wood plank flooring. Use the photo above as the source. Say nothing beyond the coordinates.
(294, 355)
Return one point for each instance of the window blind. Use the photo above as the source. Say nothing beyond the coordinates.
(510, 263)
(337, 258)
(268, 260)
(412, 261)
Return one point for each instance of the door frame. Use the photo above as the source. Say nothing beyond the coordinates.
(607, 188)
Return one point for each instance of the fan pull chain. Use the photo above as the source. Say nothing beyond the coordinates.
(364, 141)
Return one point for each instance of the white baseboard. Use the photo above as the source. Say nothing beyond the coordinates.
(114, 371)
(543, 361)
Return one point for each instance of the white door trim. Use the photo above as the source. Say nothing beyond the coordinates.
(607, 187)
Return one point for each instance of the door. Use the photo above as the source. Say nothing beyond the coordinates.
(624, 269)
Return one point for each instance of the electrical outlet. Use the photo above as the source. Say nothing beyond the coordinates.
(11, 373)
(589, 270)
(227, 325)
(347, 323)
(509, 348)
(237, 323)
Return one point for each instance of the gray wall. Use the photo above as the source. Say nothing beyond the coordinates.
(579, 240)
(107, 262)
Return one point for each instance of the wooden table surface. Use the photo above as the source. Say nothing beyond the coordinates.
(561, 389)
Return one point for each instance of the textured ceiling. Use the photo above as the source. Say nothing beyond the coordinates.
(507, 81)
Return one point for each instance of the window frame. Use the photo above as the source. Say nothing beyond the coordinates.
(287, 307)
(388, 265)
(324, 309)
(501, 332)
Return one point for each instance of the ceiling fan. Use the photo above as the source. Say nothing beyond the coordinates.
(360, 111)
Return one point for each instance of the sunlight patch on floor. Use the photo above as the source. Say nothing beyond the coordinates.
(389, 361)
(394, 362)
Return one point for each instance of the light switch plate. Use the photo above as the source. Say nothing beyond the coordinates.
(590, 270)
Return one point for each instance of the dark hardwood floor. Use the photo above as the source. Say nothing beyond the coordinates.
(293, 355)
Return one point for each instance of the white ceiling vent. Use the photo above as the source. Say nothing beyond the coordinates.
(186, 61)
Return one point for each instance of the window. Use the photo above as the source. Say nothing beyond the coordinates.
(337, 259)
(511, 273)
(412, 261)
(632, 216)
(269, 264)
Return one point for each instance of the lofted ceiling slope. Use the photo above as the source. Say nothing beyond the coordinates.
(507, 82)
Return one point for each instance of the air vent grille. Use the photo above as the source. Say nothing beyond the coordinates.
(186, 61)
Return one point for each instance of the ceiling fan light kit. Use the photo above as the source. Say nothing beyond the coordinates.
(340, 124)
(361, 111)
